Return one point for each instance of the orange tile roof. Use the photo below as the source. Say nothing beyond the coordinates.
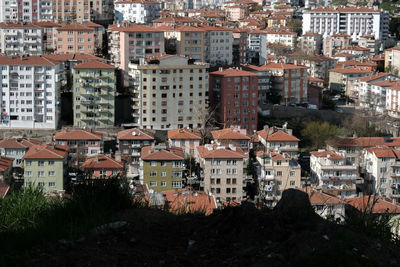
(92, 24)
(233, 73)
(47, 24)
(4, 190)
(184, 28)
(4, 25)
(353, 62)
(382, 152)
(102, 162)
(344, 55)
(44, 152)
(374, 77)
(75, 27)
(321, 198)
(5, 163)
(93, 64)
(77, 57)
(312, 34)
(365, 203)
(229, 134)
(274, 155)
(183, 133)
(27, 61)
(182, 200)
(327, 154)
(135, 28)
(220, 153)
(150, 153)
(340, 35)
(18, 143)
(135, 134)
(355, 48)
(277, 135)
(78, 134)
(350, 70)
(274, 65)
(364, 142)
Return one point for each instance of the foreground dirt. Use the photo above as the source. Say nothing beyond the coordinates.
(232, 237)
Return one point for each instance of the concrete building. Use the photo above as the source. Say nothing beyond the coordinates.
(46, 167)
(335, 175)
(335, 43)
(282, 37)
(131, 141)
(94, 93)
(369, 41)
(372, 93)
(49, 35)
(280, 140)
(310, 43)
(103, 167)
(318, 66)
(219, 44)
(276, 173)
(392, 96)
(222, 171)
(162, 168)
(137, 11)
(16, 148)
(22, 11)
(234, 94)
(184, 138)
(239, 46)
(75, 38)
(340, 79)
(257, 47)
(354, 21)
(21, 39)
(264, 84)
(170, 92)
(30, 92)
(392, 58)
(235, 136)
(191, 42)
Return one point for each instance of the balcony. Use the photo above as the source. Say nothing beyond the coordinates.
(11, 33)
(339, 167)
(340, 178)
(87, 102)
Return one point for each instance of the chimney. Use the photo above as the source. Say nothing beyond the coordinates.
(220, 69)
(97, 158)
(266, 127)
(118, 156)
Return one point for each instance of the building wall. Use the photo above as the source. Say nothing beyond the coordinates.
(188, 145)
(168, 170)
(52, 178)
(192, 45)
(75, 42)
(23, 40)
(137, 12)
(220, 48)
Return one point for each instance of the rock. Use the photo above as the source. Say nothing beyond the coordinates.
(191, 243)
(106, 227)
(325, 237)
(295, 204)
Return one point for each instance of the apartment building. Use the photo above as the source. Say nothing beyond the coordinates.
(185, 138)
(333, 44)
(170, 92)
(392, 58)
(191, 42)
(94, 93)
(369, 41)
(131, 141)
(75, 38)
(282, 37)
(22, 10)
(222, 171)
(219, 44)
(239, 46)
(81, 143)
(49, 35)
(318, 66)
(234, 94)
(236, 12)
(21, 39)
(103, 167)
(310, 43)
(276, 173)
(46, 167)
(372, 93)
(331, 172)
(15, 149)
(98, 35)
(162, 168)
(264, 84)
(381, 167)
(30, 92)
(257, 47)
(132, 43)
(341, 79)
(392, 99)
(137, 11)
(280, 140)
(354, 21)
(235, 136)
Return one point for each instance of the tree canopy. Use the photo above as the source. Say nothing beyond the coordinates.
(318, 132)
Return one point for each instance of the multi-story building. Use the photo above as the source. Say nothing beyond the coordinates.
(233, 135)
(16, 149)
(131, 43)
(369, 41)
(310, 43)
(237, 12)
(98, 35)
(288, 82)
(75, 38)
(81, 143)
(372, 93)
(282, 37)
(94, 94)
(334, 174)
(392, 102)
(234, 94)
(184, 138)
(102, 166)
(219, 44)
(21, 11)
(332, 44)
(239, 46)
(131, 141)
(222, 171)
(191, 42)
(49, 35)
(392, 58)
(279, 140)
(162, 168)
(354, 21)
(170, 92)
(138, 11)
(340, 79)
(276, 173)
(21, 39)
(318, 65)
(30, 87)
(264, 85)
(46, 167)
(257, 47)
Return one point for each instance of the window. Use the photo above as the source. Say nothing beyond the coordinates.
(40, 173)
(218, 181)
(153, 163)
(176, 184)
(163, 183)
(212, 181)
(28, 174)
(279, 173)
(163, 163)
(228, 190)
(153, 173)
(279, 163)
(52, 173)
(292, 183)
(51, 162)
(152, 183)
(28, 163)
(292, 173)
(40, 163)
(52, 184)
(233, 180)
(163, 174)
(41, 184)
(383, 180)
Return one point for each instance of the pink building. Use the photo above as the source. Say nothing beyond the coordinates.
(75, 38)
(101, 166)
(184, 138)
(49, 35)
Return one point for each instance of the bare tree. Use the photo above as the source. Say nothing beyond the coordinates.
(207, 122)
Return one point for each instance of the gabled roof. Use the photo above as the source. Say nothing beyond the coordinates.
(367, 203)
(78, 134)
(188, 201)
(5, 163)
(74, 27)
(327, 154)
(220, 153)
(382, 152)
(229, 134)
(102, 162)
(322, 198)
(183, 134)
(18, 143)
(135, 28)
(135, 134)
(374, 77)
(77, 57)
(364, 142)
(27, 61)
(4, 25)
(285, 66)
(47, 24)
(44, 152)
(233, 73)
(350, 70)
(151, 153)
(277, 135)
(93, 64)
(4, 190)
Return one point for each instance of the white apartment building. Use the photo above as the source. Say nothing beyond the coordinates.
(19, 11)
(331, 172)
(20, 39)
(45, 10)
(219, 41)
(30, 92)
(392, 100)
(372, 91)
(169, 92)
(282, 37)
(310, 43)
(138, 11)
(381, 166)
(354, 21)
(257, 47)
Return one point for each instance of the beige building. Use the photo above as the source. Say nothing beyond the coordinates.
(310, 43)
(222, 171)
(276, 173)
(190, 42)
(49, 35)
(336, 42)
(280, 140)
(368, 41)
(392, 58)
(184, 138)
(169, 91)
(75, 39)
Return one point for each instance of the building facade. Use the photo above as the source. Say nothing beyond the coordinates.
(75, 39)
(21, 39)
(138, 11)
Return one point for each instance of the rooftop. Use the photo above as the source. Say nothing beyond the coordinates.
(135, 134)
(78, 134)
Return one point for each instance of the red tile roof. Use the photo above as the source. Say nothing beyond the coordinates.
(4, 188)
(27, 61)
(102, 162)
(4, 25)
(327, 154)
(135, 134)
(93, 64)
(44, 152)
(75, 27)
(321, 198)
(233, 73)
(183, 134)
(5, 163)
(151, 153)
(76, 57)
(219, 153)
(370, 203)
(78, 134)
(374, 77)
(350, 70)
(18, 143)
(182, 200)
(135, 28)
(229, 134)
(364, 142)
(274, 65)
(277, 135)
(184, 28)
(382, 152)
(47, 24)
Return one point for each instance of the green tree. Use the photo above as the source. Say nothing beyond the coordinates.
(318, 132)
(250, 168)
(296, 25)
